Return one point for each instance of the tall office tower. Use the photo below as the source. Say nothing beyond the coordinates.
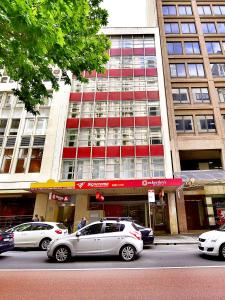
(193, 49)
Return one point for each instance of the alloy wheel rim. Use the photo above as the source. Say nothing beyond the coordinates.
(128, 253)
(45, 244)
(223, 251)
(61, 254)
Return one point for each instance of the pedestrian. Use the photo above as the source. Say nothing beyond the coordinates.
(42, 219)
(35, 219)
(82, 223)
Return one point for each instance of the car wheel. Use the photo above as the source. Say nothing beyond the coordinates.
(44, 243)
(127, 252)
(222, 251)
(62, 254)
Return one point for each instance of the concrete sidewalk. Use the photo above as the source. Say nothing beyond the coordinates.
(176, 239)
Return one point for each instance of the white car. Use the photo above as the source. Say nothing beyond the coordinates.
(37, 234)
(213, 242)
(99, 238)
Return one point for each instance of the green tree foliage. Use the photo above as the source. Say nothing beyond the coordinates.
(36, 34)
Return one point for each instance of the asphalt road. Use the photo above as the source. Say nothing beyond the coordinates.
(153, 257)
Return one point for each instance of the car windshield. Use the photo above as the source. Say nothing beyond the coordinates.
(138, 226)
(222, 228)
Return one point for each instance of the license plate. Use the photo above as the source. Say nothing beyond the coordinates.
(199, 244)
(6, 240)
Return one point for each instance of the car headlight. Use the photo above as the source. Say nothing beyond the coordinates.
(214, 240)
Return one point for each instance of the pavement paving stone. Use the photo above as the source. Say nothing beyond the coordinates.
(176, 239)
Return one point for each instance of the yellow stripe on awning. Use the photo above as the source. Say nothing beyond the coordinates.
(52, 184)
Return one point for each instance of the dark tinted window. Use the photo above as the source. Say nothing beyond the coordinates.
(23, 227)
(40, 227)
(61, 226)
(92, 229)
(114, 227)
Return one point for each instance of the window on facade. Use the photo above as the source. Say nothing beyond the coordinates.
(206, 124)
(188, 28)
(208, 27)
(8, 100)
(3, 124)
(213, 47)
(22, 160)
(41, 126)
(82, 169)
(114, 109)
(184, 123)
(142, 168)
(192, 47)
(101, 109)
(157, 167)
(74, 110)
(90, 86)
(128, 168)
(112, 168)
(177, 70)
(14, 126)
(221, 27)
(141, 136)
(98, 168)
(85, 137)
(140, 108)
(114, 137)
(87, 110)
(29, 127)
(218, 69)
(68, 169)
(127, 135)
(127, 109)
(153, 108)
(102, 85)
(201, 94)
(76, 86)
(180, 95)
(155, 136)
(35, 160)
(115, 84)
(171, 28)
(71, 138)
(221, 94)
(184, 10)
(6, 161)
(99, 136)
(204, 10)
(196, 70)
(219, 10)
(174, 48)
(169, 10)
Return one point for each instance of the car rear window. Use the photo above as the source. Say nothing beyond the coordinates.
(135, 226)
(114, 227)
(61, 226)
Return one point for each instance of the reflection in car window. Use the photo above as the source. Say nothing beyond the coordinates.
(114, 227)
(39, 227)
(24, 227)
(92, 229)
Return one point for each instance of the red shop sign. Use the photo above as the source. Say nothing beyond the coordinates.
(111, 184)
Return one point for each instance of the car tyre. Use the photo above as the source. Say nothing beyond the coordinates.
(222, 251)
(44, 243)
(62, 254)
(127, 252)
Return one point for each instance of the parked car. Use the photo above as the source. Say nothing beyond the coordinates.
(6, 241)
(213, 242)
(103, 237)
(37, 234)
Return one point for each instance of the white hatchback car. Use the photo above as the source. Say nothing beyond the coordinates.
(213, 242)
(99, 238)
(37, 234)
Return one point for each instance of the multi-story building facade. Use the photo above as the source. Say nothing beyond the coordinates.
(193, 48)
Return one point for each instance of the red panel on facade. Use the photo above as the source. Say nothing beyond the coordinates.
(115, 73)
(139, 51)
(113, 122)
(114, 95)
(92, 74)
(156, 150)
(101, 95)
(140, 95)
(150, 51)
(127, 72)
(142, 151)
(72, 123)
(98, 152)
(115, 52)
(75, 96)
(128, 51)
(113, 151)
(100, 75)
(151, 72)
(69, 153)
(100, 122)
(84, 152)
(127, 122)
(88, 96)
(154, 121)
(139, 72)
(127, 151)
(141, 121)
(86, 123)
(127, 95)
(153, 95)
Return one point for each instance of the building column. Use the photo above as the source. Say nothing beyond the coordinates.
(181, 212)
(81, 209)
(46, 208)
(172, 213)
(210, 212)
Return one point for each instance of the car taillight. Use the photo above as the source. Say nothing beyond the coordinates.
(136, 234)
(1, 237)
(58, 231)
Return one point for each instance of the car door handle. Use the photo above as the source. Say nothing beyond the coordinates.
(97, 239)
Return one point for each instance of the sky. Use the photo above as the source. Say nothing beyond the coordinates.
(126, 13)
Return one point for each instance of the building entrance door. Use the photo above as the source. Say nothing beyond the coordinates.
(195, 213)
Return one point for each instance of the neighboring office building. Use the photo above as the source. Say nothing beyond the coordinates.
(193, 48)
(116, 138)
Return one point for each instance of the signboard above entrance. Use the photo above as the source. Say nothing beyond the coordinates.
(61, 198)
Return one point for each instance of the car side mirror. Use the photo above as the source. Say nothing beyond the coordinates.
(78, 233)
